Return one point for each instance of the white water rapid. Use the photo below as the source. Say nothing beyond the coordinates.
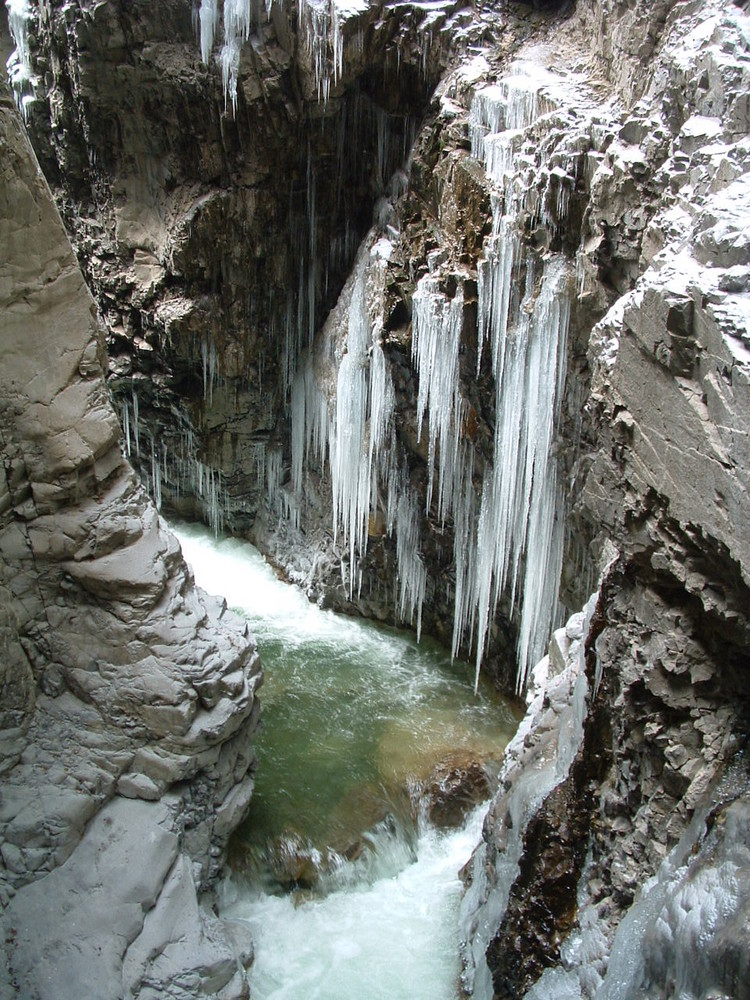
(395, 939)
(355, 717)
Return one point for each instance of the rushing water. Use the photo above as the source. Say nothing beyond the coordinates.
(349, 890)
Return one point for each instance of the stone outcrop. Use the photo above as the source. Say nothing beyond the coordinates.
(128, 696)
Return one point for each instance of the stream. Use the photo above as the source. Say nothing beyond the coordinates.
(346, 867)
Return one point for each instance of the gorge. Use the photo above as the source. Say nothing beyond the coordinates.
(445, 308)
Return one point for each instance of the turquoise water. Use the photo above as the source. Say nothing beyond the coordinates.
(356, 718)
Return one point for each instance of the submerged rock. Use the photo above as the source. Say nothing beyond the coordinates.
(453, 789)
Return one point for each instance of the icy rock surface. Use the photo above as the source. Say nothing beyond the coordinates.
(665, 480)
(536, 760)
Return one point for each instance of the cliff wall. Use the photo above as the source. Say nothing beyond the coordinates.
(128, 696)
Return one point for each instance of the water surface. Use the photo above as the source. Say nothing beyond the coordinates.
(350, 893)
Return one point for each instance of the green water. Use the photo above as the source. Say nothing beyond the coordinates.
(355, 716)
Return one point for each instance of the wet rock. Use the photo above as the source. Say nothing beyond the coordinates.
(453, 789)
(295, 865)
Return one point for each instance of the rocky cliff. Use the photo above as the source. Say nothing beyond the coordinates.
(467, 383)
(128, 696)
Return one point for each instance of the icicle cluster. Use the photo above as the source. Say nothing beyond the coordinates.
(22, 79)
(236, 20)
(436, 336)
(314, 29)
(508, 537)
(320, 24)
(507, 540)
(173, 463)
(357, 436)
(519, 537)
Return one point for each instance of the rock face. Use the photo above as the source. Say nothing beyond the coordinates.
(216, 233)
(660, 489)
(532, 387)
(128, 696)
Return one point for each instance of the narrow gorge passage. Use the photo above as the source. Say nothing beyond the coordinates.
(372, 755)
(445, 307)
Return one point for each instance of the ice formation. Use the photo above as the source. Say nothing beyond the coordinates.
(507, 531)
(510, 541)
(535, 762)
(320, 24)
(174, 463)
(22, 79)
(236, 20)
(355, 434)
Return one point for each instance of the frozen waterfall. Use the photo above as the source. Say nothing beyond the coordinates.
(505, 511)
(508, 540)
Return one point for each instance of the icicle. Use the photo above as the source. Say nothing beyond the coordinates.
(436, 335)
(349, 467)
(338, 43)
(208, 357)
(126, 426)
(136, 428)
(313, 26)
(229, 60)
(209, 19)
(412, 572)
(155, 476)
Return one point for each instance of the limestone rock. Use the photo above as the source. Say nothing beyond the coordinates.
(109, 652)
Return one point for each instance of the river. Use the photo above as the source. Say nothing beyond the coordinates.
(349, 887)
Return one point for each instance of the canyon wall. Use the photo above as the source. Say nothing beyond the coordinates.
(128, 695)
(472, 384)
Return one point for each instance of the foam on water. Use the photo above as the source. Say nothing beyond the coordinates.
(394, 939)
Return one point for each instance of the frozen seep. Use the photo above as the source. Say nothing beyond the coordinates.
(536, 760)
(20, 74)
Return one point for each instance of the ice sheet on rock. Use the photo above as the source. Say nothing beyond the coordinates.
(686, 932)
(535, 761)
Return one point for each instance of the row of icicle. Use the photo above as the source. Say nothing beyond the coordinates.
(508, 540)
(319, 22)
